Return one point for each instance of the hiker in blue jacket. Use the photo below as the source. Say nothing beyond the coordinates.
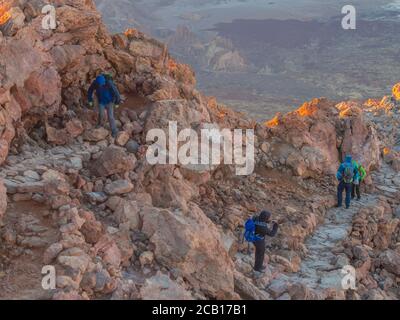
(108, 97)
(347, 174)
(262, 230)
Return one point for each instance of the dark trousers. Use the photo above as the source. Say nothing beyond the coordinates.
(342, 187)
(110, 112)
(356, 190)
(259, 255)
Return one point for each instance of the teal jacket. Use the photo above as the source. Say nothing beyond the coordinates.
(347, 163)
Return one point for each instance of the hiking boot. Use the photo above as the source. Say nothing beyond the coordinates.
(261, 270)
(338, 206)
(359, 198)
(347, 208)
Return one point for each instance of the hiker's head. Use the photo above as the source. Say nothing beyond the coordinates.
(348, 158)
(101, 80)
(265, 216)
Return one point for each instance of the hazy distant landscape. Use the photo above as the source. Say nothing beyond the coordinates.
(268, 56)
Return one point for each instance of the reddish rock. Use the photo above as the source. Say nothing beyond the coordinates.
(95, 135)
(107, 248)
(390, 260)
(308, 138)
(146, 258)
(125, 245)
(161, 287)
(122, 138)
(191, 243)
(118, 187)
(360, 138)
(74, 128)
(92, 229)
(56, 136)
(113, 160)
(128, 212)
(3, 199)
(69, 295)
(52, 252)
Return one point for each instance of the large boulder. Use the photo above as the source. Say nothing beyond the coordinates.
(161, 287)
(392, 157)
(95, 135)
(113, 160)
(191, 244)
(390, 260)
(28, 83)
(169, 189)
(247, 290)
(360, 139)
(127, 212)
(306, 138)
(118, 187)
(312, 140)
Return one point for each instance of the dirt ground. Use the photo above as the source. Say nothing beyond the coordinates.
(21, 267)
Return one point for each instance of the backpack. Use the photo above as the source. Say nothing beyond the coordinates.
(250, 231)
(362, 172)
(348, 173)
(113, 88)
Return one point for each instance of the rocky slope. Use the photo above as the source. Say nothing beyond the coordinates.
(116, 227)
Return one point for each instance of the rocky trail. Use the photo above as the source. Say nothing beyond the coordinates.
(322, 268)
(320, 272)
(21, 276)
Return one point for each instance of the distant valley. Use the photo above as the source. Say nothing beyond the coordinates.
(264, 57)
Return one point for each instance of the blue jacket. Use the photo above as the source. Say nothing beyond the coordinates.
(348, 162)
(106, 91)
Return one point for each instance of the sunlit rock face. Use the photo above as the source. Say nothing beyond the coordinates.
(312, 140)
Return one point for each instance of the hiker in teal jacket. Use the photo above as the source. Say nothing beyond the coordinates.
(346, 175)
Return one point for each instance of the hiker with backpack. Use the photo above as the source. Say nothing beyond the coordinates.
(110, 82)
(108, 98)
(346, 175)
(256, 229)
(362, 173)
